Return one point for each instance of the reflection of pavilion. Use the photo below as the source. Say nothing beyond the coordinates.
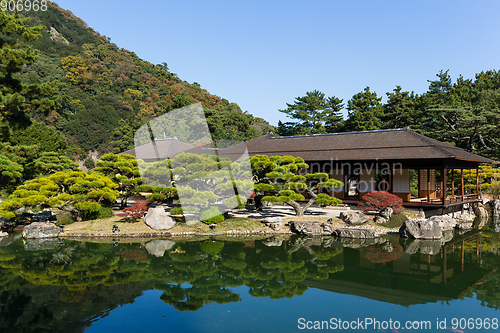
(413, 278)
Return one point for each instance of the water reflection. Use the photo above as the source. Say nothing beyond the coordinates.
(66, 285)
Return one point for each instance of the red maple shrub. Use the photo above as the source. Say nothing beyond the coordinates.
(378, 200)
(134, 212)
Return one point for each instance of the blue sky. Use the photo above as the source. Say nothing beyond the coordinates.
(264, 54)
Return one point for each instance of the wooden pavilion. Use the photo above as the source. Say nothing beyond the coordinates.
(386, 160)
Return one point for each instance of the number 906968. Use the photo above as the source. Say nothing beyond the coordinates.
(23, 5)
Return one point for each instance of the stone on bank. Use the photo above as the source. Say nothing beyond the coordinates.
(41, 230)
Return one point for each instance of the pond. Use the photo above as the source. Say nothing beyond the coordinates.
(274, 284)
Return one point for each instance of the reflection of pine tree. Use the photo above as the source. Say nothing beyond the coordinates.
(202, 272)
(192, 275)
(318, 264)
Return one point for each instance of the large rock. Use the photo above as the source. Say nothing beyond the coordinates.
(466, 217)
(157, 247)
(354, 217)
(495, 207)
(421, 229)
(41, 230)
(311, 228)
(480, 211)
(3, 234)
(445, 222)
(157, 219)
(387, 212)
(274, 223)
(355, 233)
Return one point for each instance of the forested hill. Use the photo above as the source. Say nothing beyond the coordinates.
(103, 93)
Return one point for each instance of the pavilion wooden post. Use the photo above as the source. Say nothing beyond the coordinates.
(477, 181)
(452, 184)
(428, 185)
(463, 190)
(419, 182)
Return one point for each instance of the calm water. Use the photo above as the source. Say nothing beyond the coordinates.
(266, 285)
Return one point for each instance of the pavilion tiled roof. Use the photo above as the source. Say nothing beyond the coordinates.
(396, 144)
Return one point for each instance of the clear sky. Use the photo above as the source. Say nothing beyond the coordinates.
(264, 54)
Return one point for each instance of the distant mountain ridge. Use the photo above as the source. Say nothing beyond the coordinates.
(105, 93)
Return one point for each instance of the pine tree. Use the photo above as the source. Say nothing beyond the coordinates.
(14, 95)
(365, 112)
(315, 114)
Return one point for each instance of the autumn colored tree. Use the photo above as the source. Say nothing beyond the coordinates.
(378, 200)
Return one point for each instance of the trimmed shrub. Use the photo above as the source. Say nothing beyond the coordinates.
(176, 211)
(64, 219)
(211, 215)
(378, 200)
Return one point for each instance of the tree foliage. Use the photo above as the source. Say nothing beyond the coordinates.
(315, 113)
(288, 181)
(103, 94)
(378, 200)
(365, 112)
(80, 193)
(10, 173)
(123, 170)
(51, 162)
(15, 32)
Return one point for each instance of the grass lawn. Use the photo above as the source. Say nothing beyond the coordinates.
(104, 226)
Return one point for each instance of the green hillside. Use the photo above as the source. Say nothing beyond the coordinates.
(104, 93)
